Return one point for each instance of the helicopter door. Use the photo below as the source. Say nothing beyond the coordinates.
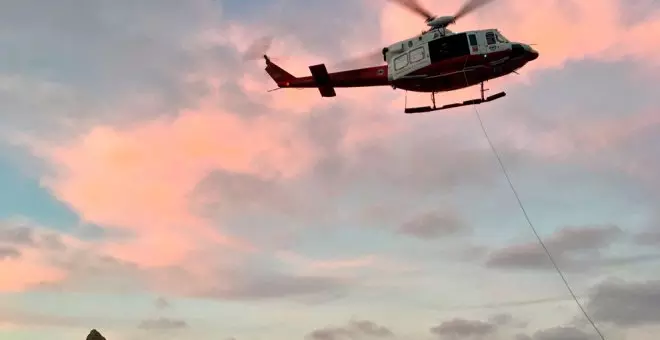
(412, 60)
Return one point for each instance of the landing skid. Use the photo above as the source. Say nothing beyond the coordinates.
(422, 109)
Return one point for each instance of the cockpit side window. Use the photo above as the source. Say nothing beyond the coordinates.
(490, 38)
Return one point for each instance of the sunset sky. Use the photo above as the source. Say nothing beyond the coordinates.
(153, 189)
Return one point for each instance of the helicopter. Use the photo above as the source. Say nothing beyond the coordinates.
(437, 60)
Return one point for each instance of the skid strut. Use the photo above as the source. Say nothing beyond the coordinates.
(477, 101)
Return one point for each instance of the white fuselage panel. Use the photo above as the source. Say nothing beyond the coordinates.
(410, 55)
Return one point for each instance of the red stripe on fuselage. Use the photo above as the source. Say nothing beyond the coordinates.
(370, 76)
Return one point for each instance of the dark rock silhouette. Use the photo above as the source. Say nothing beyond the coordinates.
(95, 335)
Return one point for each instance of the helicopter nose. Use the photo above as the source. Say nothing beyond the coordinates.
(518, 50)
(531, 53)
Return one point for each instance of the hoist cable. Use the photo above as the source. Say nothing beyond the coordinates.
(529, 220)
(531, 225)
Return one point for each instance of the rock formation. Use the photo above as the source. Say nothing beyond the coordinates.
(95, 335)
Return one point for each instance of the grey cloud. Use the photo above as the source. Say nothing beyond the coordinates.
(412, 164)
(503, 319)
(68, 63)
(7, 253)
(16, 234)
(433, 224)
(416, 167)
(632, 13)
(27, 235)
(234, 99)
(161, 303)
(88, 271)
(309, 289)
(371, 328)
(572, 248)
(394, 174)
(476, 329)
(34, 318)
(528, 256)
(462, 328)
(53, 242)
(161, 324)
(626, 304)
(563, 333)
(249, 206)
(355, 329)
(584, 238)
(224, 192)
(499, 305)
(286, 18)
(648, 238)
(82, 63)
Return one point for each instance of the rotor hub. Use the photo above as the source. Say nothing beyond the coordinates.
(441, 22)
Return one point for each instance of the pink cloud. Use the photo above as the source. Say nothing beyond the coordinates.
(33, 266)
(140, 178)
(26, 271)
(577, 30)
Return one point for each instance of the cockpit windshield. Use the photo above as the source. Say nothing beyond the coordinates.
(500, 38)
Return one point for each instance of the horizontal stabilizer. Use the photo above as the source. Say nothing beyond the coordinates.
(322, 80)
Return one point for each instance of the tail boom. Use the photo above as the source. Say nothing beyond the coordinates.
(326, 82)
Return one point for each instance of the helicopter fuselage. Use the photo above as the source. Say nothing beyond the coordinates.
(435, 61)
(439, 60)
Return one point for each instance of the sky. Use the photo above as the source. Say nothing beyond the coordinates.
(153, 188)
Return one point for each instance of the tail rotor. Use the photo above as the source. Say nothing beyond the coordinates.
(258, 48)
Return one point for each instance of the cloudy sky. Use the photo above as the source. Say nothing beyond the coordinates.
(152, 188)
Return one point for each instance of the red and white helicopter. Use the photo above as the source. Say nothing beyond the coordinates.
(437, 60)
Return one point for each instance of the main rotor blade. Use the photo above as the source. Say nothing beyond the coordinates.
(414, 6)
(470, 6)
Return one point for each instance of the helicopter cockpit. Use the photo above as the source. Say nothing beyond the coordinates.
(494, 36)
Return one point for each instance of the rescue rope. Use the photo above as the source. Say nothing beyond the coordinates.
(529, 221)
(531, 225)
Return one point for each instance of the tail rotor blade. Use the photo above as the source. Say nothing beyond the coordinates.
(258, 48)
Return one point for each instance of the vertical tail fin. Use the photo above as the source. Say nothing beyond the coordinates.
(279, 75)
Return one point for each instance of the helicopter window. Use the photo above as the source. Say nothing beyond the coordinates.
(451, 46)
(500, 38)
(490, 38)
(473, 40)
(401, 62)
(417, 55)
